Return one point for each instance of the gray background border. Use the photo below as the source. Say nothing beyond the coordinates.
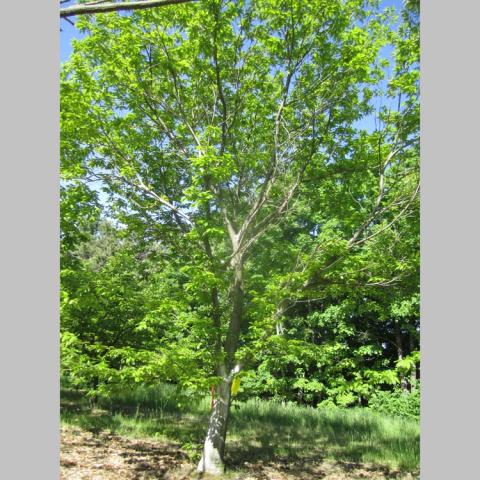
(29, 255)
(29, 264)
(450, 239)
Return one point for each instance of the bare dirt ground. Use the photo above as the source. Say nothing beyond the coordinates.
(103, 456)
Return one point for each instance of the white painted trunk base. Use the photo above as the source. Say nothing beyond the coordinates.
(214, 446)
(211, 461)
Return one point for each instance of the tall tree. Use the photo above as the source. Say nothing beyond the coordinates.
(213, 125)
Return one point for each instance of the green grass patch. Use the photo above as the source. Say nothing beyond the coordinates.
(276, 430)
(258, 429)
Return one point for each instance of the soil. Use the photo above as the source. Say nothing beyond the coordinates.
(104, 456)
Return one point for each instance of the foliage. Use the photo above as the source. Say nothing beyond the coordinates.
(117, 318)
(397, 403)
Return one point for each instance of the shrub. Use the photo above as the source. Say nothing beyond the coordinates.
(397, 403)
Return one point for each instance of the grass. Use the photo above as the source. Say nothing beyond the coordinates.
(338, 434)
(259, 430)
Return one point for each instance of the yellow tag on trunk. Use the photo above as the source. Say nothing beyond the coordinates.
(235, 385)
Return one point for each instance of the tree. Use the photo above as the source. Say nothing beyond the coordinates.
(216, 127)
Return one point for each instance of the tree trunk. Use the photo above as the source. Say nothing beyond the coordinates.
(413, 374)
(212, 460)
(233, 334)
(398, 338)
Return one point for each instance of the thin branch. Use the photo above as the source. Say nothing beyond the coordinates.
(219, 85)
(163, 201)
(381, 191)
(176, 84)
(271, 174)
(394, 220)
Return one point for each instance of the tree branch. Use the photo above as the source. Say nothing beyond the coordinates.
(95, 7)
(218, 81)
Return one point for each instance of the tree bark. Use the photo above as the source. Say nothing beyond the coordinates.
(86, 8)
(398, 339)
(233, 334)
(212, 461)
(413, 373)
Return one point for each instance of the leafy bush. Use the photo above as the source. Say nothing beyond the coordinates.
(397, 403)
